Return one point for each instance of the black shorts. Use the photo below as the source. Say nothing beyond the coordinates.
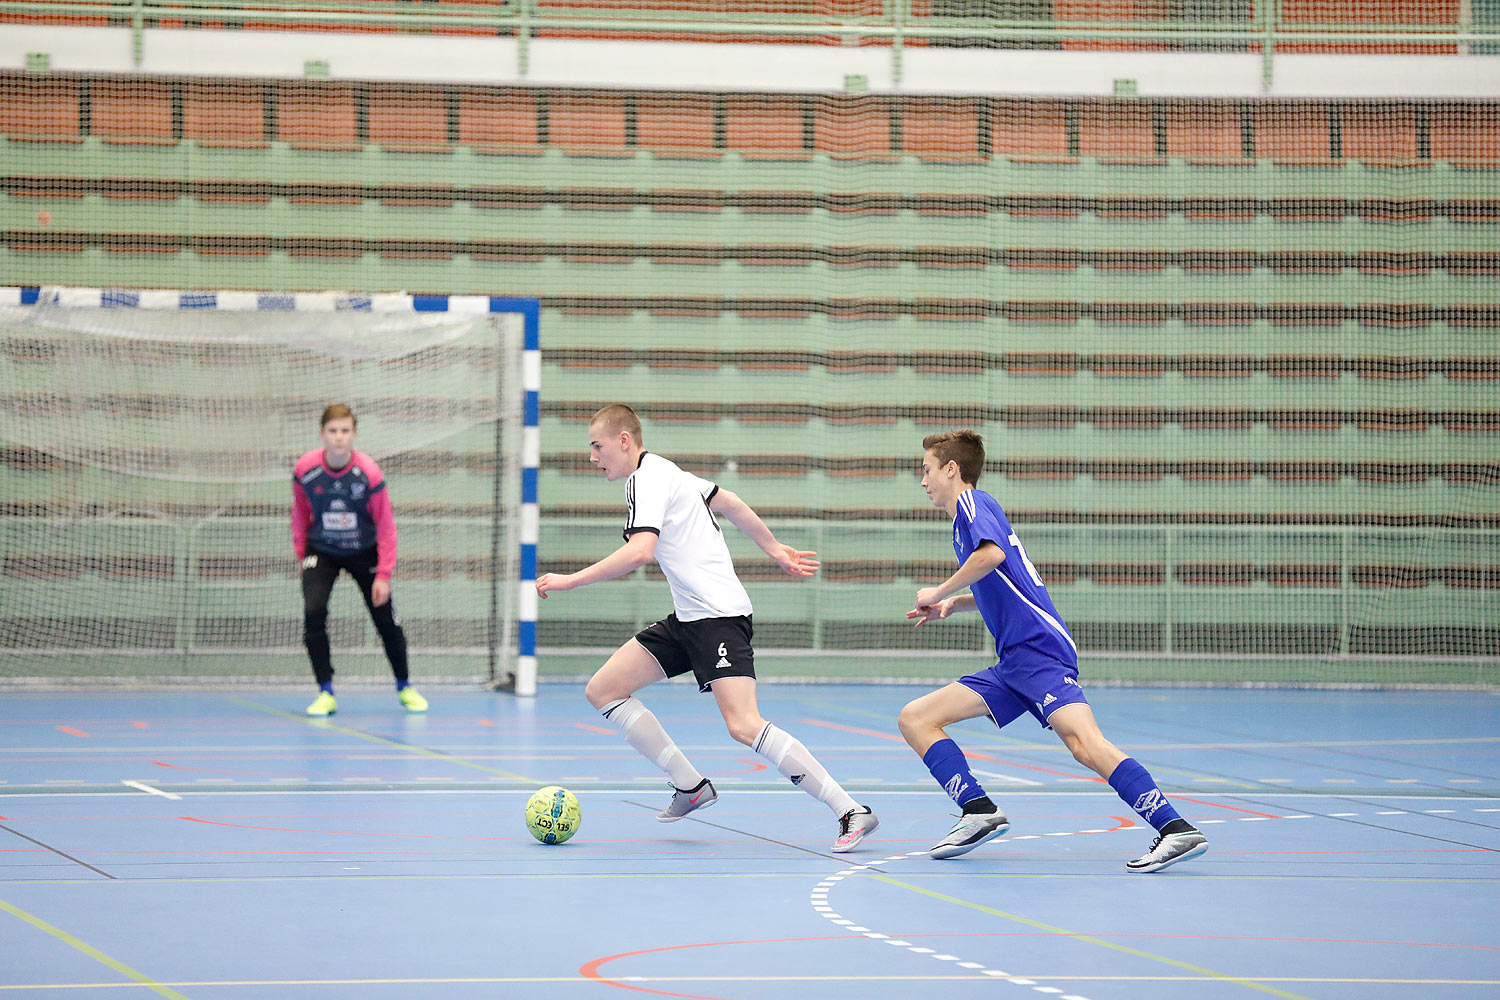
(709, 647)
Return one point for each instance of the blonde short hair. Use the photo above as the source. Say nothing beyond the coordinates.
(617, 417)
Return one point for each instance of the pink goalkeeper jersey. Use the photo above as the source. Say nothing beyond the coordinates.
(343, 512)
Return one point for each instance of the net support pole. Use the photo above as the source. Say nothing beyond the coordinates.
(529, 529)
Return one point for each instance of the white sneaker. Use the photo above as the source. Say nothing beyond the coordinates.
(969, 832)
(686, 800)
(854, 826)
(1169, 849)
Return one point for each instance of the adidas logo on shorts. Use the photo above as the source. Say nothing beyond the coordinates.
(723, 663)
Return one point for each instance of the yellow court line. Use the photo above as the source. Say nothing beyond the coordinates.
(406, 747)
(495, 980)
(140, 978)
(1209, 973)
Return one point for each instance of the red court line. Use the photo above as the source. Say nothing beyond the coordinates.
(1031, 767)
(590, 970)
(70, 730)
(595, 729)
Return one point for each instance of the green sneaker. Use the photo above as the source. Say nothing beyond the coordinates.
(413, 701)
(323, 704)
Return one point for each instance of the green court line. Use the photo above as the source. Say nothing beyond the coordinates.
(91, 952)
(407, 747)
(1149, 956)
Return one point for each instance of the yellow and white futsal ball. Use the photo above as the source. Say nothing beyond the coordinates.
(553, 814)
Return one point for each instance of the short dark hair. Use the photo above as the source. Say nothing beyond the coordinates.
(964, 447)
(617, 417)
(338, 411)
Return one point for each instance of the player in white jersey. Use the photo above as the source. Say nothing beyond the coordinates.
(670, 518)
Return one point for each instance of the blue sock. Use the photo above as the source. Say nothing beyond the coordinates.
(1134, 784)
(402, 685)
(951, 769)
(326, 688)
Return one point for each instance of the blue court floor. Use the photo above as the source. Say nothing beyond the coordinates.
(221, 845)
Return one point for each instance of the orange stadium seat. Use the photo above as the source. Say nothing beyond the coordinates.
(1431, 14)
(942, 129)
(850, 128)
(1206, 133)
(676, 124)
(1379, 133)
(317, 116)
(587, 123)
(1034, 131)
(133, 112)
(1465, 134)
(39, 109)
(503, 121)
(766, 127)
(409, 119)
(224, 114)
(1293, 134)
(1117, 131)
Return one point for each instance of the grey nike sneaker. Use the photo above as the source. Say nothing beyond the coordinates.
(969, 832)
(1169, 849)
(854, 826)
(686, 800)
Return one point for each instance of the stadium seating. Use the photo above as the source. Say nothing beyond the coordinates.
(1259, 334)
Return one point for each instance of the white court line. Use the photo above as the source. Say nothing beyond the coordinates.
(148, 788)
(1009, 778)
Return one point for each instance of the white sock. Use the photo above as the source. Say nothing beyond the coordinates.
(651, 741)
(794, 761)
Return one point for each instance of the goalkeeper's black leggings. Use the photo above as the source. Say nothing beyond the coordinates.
(317, 585)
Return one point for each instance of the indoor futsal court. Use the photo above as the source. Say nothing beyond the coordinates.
(1164, 334)
(221, 844)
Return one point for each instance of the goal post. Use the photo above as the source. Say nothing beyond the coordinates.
(149, 438)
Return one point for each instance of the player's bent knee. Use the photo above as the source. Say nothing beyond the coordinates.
(598, 693)
(745, 729)
(914, 720)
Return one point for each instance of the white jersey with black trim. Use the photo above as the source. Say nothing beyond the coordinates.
(661, 498)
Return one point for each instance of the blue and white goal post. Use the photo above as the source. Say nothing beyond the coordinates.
(152, 434)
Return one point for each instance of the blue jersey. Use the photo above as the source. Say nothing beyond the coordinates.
(1012, 600)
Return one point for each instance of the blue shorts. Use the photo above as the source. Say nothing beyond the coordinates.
(1036, 684)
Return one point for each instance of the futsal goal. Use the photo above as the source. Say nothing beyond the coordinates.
(149, 441)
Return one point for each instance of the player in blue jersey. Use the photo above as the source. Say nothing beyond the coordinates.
(1037, 672)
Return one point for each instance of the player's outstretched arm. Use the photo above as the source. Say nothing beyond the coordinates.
(981, 562)
(794, 561)
(637, 552)
(942, 609)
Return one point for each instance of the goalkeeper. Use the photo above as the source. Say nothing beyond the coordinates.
(342, 521)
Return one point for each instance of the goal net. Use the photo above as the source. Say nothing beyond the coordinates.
(150, 439)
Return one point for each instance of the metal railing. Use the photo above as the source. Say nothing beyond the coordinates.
(1265, 28)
